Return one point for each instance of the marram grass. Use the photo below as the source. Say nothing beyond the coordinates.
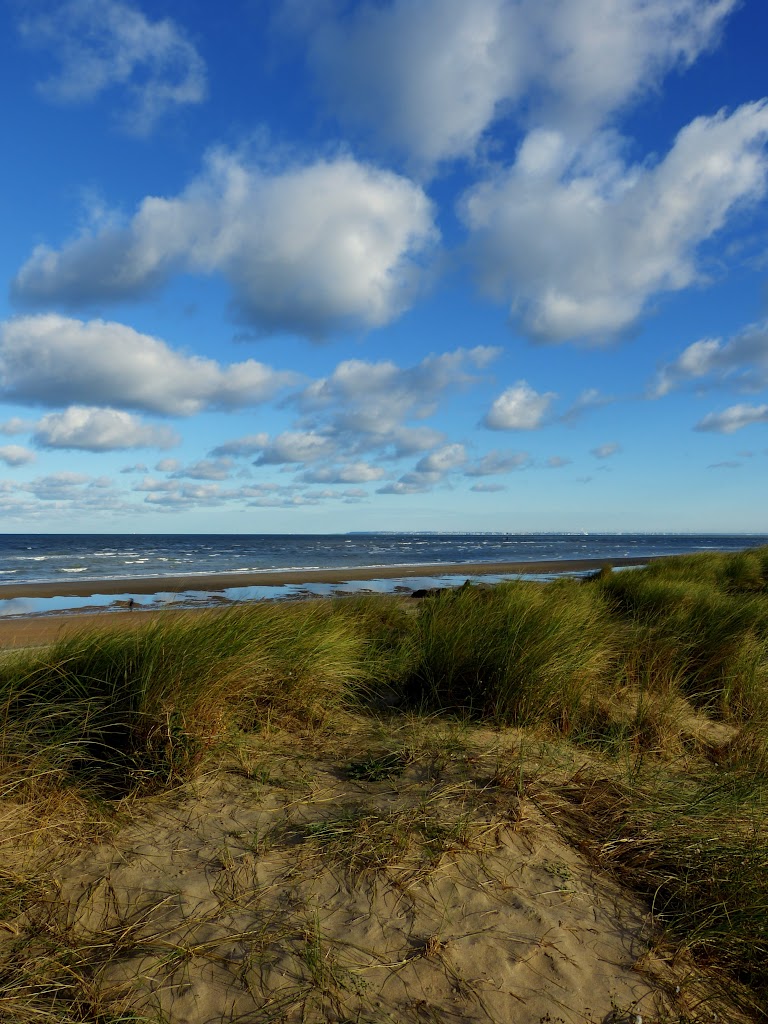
(520, 653)
(126, 709)
(659, 676)
(133, 708)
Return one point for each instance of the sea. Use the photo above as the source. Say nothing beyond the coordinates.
(52, 558)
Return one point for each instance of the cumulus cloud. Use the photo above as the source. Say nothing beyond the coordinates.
(519, 408)
(444, 459)
(428, 471)
(16, 455)
(70, 494)
(65, 486)
(296, 446)
(577, 241)
(184, 496)
(107, 44)
(605, 451)
(497, 462)
(410, 483)
(488, 488)
(100, 430)
(430, 78)
(347, 473)
(16, 425)
(589, 399)
(557, 462)
(172, 494)
(427, 77)
(206, 469)
(312, 249)
(736, 417)
(53, 360)
(366, 406)
(242, 447)
(741, 362)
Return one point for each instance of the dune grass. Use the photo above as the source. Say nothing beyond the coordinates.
(518, 654)
(659, 676)
(134, 710)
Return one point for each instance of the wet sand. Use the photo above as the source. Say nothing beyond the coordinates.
(37, 630)
(275, 577)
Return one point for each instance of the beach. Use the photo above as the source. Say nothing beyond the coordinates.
(37, 629)
(214, 582)
(511, 803)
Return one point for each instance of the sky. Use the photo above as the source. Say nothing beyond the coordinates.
(277, 266)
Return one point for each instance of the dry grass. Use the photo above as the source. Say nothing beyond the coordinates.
(631, 710)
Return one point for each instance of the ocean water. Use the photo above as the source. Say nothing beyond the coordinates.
(93, 557)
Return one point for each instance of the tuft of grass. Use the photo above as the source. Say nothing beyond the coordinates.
(620, 665)
(119, 711)
(695, 843)
(378, 767)
(366, 841)
(520, 653)
(696, 637)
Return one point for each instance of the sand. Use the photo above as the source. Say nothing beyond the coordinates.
(284, 884)
(282, 888)
(277, 577)
(37, 630)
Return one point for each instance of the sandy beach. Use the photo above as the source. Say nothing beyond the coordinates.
(276, 577)
(35, 630)
(292, 823)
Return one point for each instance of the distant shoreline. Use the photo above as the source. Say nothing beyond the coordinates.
(214, 582)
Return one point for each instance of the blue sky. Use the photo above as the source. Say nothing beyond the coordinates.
(286, 267)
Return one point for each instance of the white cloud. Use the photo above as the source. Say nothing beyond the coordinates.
(497, 462)
(578, 242)
(16, 425)
(451, 456)
(347, 473)
(742, 362)
(296, 446)
(557, 462)
(69, 494)
(366, 406)
(53, 360)
(185, 496)
(736, 417)
(519, 408)
(589, 399)
(599, 54)
(328, 246)
(488, 488)
(410, 483)
(171, 494)
(430, 78)
(206, 469)
(242, 446)
(63, 486)
(103, 44)
(16, 455)
(427, 77)
(99, 430)
(605, 451)
(428, 471)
